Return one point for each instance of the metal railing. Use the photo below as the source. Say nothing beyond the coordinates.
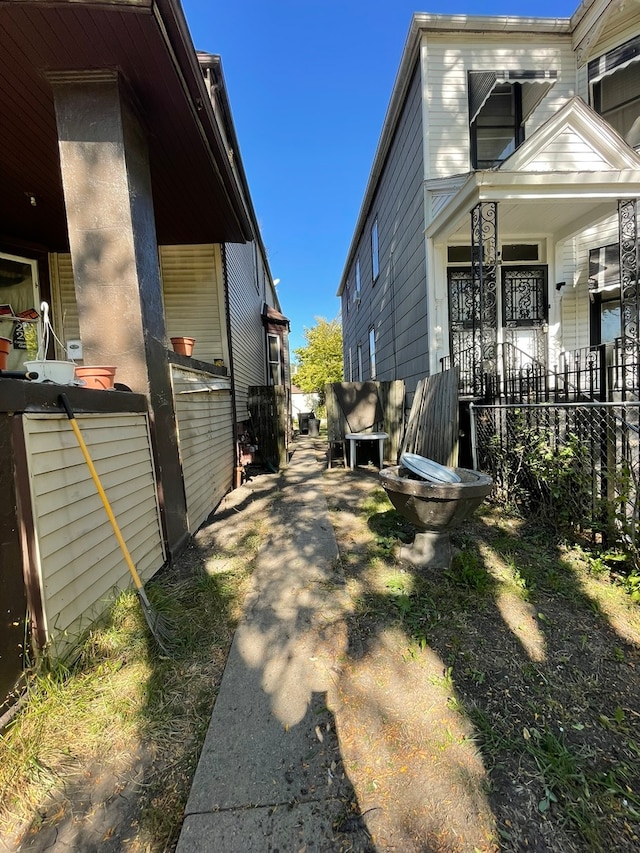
(597, 373)
(573, 465)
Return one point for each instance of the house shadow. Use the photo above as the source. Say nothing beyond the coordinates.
(540, 667)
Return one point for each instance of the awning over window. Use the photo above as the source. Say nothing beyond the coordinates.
(535, 85)
(617, 59)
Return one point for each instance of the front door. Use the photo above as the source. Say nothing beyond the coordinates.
(19, 308)
(525, 313)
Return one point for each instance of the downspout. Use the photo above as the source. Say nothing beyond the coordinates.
(237, 467)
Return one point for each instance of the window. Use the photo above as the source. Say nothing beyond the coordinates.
(350, 366)
(20, 297)
(510, 252)
(358, 279)
(372, 353)
(359, 357)
(604, 293)
(497, 131)
(375, 261)
(615, 89)
(499, 105)
(275, 362)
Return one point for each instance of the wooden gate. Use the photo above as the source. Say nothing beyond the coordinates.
(267, 406)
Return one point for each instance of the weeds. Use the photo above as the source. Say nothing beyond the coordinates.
(120, 699)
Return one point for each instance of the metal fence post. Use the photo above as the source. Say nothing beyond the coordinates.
(474, 439)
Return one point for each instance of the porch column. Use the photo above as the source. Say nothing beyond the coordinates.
(484, 258)
(114, 253)
(629, 295)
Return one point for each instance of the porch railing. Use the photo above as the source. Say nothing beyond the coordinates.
(589, 374)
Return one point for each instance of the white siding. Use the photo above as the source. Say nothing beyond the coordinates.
(64, 306)
(567, 152)
(192, 286)
(621, 25)
(450, 56)
(246, 297)
(80, 562)
(205, 435)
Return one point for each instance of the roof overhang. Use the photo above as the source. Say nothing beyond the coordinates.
(197, 196)
(558, 204)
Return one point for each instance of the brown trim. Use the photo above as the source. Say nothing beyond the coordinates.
(24, 512)
(17, 395)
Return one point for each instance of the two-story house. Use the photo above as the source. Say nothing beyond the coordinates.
(499, 225)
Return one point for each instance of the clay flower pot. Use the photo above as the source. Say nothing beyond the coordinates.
(182, 345)
(95, 376)
(5, 348)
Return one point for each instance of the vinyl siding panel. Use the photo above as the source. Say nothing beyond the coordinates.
(64, 305)
(401, 346)
(192, 293)
(448, 59)
(620, 27)
(567, 152)
(81, 564)
(205, 435)
(246, 298)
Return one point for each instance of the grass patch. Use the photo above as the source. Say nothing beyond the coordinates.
(124, 708)
(533, 642)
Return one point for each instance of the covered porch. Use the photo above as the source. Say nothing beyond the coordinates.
(520, 260)
(119, 184)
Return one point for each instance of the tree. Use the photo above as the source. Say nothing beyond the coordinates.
(320, 361)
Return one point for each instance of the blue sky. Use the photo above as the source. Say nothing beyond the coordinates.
(309, 82)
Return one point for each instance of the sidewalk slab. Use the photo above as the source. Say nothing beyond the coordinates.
(270, 775)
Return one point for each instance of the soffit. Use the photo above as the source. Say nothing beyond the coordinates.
(196, 198)
(536, 204)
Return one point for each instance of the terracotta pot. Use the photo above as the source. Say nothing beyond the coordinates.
(5, 348)
(96, 377)
(183, 345)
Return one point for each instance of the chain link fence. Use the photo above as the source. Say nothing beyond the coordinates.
(573, 465)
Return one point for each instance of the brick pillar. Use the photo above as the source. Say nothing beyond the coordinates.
(114, 252)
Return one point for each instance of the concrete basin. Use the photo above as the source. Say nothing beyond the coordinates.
(434, 508)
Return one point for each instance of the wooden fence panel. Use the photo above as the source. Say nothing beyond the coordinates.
(268, 408)
(432, 428)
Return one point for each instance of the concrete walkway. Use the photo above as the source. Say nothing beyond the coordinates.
(270, 776)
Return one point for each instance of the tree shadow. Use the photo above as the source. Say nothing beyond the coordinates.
(537, 666)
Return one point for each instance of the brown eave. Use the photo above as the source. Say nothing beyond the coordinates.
(197, 198)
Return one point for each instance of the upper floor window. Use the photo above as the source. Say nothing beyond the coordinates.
(375, 260)
(500, 102)
(275, 360)
(372, 353)
(358, 278)
(614, 81)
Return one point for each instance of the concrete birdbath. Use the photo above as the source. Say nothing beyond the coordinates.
(434, 507)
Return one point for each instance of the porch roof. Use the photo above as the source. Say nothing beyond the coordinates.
(537, 203)
(568, 175)
(197, 196)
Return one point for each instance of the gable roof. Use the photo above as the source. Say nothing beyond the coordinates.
(576, 138)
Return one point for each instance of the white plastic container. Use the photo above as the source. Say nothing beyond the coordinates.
(60, 372)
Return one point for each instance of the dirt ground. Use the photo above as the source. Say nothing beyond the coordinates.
(494, 707)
